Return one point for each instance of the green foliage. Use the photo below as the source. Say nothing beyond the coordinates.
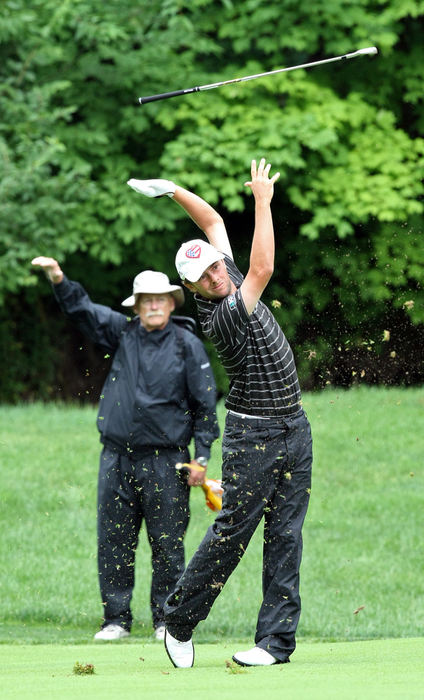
(346, 137)
(342, 161)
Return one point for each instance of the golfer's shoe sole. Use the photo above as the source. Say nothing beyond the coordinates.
(257, 657)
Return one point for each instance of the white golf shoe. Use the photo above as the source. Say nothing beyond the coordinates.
(111, 632)
(180, 653)
(159, 633)
(254, 657)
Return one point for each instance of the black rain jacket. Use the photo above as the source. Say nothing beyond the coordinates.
(160, 391)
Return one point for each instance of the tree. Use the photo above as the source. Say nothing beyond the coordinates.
(346, 137)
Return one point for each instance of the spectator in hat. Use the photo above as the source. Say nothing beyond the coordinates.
(159, 395)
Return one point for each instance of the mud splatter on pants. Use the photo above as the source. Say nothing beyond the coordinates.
(131, 490)
(266, 473)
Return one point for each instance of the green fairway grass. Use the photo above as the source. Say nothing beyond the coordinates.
(361, 576)
(371, 670)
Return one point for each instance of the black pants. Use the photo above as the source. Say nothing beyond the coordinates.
(266, 472)
(148, 488)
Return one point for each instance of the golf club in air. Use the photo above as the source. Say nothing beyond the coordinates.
(370, 51)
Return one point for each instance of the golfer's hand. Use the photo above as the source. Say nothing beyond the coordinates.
(261, 184)
(197, 474)
(153, 188)
(50, 267)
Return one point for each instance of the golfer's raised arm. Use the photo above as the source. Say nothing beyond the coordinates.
(262, 252)
(206, 218)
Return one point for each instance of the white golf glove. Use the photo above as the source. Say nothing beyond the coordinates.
(153, 188)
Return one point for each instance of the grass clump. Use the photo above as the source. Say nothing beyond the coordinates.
(83, 669)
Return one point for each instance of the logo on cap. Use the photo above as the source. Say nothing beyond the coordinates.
(194, 251)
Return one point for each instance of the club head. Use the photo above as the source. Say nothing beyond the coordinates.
(370, 51)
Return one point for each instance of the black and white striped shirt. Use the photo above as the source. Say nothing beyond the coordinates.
(254, 352)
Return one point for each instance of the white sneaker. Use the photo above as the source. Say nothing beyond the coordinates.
(180, 653)
(160, 633)
(254, 657)
(111, 632)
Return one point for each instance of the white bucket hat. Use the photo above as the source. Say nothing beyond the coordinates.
(194, 257)
(150, 282)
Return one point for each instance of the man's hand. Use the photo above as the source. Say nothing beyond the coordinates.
(263, 246)
(153, 188)
(261, 184)
(50, 267)
(197, 474)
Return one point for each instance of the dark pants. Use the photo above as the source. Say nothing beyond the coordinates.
(148, 488)
(266, 472)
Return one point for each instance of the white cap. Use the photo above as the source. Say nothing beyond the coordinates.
(194, 257)
(150, 282)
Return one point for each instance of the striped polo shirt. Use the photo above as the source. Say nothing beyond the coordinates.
(254, 352)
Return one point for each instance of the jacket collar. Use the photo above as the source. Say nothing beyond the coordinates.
(156, 337)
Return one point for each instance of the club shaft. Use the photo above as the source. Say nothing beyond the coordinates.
(166, 95)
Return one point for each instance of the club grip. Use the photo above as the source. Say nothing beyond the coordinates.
(165, 95)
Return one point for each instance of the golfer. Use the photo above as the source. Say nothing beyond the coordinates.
(267, 445)
(159, 395)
